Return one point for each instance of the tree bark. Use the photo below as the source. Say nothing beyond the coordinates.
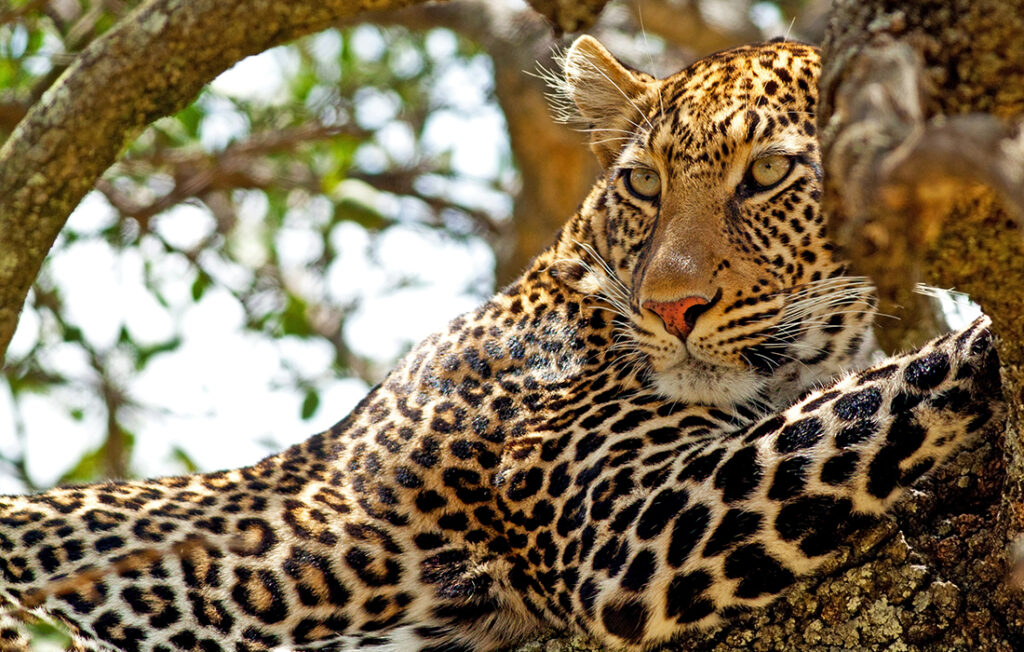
(945, 160)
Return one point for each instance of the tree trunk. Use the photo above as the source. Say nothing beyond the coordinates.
(946, 145)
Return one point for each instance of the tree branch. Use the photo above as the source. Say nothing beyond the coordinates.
(151, 64)
(875, 106)
(923, 176)
(908, 163)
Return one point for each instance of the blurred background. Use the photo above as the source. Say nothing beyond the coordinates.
(255, 263)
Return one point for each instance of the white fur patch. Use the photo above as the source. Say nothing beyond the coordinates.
(694, 381)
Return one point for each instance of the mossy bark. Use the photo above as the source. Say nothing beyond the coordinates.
(954, 231)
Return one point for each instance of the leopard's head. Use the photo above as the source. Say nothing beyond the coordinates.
(706, 233)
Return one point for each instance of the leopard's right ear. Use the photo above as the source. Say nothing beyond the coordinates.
(609, 99)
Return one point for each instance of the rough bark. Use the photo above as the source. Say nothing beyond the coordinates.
(922, 101)
(944, 158)
(151, 64)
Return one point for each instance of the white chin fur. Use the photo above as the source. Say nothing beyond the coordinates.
(698, 382)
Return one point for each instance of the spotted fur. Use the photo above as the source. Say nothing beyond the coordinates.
(557, 457)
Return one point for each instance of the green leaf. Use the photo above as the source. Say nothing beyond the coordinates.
(190, 118)
(352, 210)
(294, 317)
(92, 465)
(303, 82)
(146, 353)
(199, 286)
(87, 468)
(310, 402)
(179, 455)
(73, 334)
(337, 161)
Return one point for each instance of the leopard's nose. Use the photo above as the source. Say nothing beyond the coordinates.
(681, 315)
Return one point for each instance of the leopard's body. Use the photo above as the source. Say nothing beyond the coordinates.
(583, 451)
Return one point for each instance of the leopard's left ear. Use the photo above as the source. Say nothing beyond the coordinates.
(609, 97)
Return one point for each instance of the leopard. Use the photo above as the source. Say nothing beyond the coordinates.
(670, 417)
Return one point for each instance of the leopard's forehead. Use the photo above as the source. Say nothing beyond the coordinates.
(757, 95)
(759, 59)
(770, 74)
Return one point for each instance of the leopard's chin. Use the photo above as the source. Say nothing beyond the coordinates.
(697, 381)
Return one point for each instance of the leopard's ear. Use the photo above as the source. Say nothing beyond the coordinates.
(610, 99)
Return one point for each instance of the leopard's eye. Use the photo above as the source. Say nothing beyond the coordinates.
(644, 183)
(770, 170)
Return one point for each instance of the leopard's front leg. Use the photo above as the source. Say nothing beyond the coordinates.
(739, 519)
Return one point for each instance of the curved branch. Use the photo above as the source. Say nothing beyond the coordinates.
(876, 103)
(151, 64)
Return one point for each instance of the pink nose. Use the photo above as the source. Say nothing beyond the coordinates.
(680, 315)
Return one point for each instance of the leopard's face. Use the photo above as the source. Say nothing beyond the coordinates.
(713, 247)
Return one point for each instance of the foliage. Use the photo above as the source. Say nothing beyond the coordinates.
(267, 204)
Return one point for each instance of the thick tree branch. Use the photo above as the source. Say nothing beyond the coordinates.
(875, 103)
(903, 171)
(151, 64)
(923, 168)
